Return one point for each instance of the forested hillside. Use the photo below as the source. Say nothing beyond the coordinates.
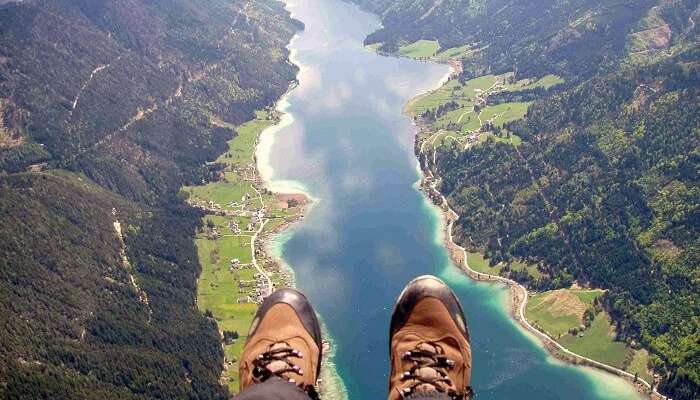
(604, 189)
(572, 39)
(106, 109)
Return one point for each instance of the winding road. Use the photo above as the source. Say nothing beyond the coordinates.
(520, 317)
(255, 261)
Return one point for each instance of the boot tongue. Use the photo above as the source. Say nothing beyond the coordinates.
(276, 366)
(279, 345)
(430, 375)
(431, 348)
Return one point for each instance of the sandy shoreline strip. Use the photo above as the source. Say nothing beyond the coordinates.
(331, 385)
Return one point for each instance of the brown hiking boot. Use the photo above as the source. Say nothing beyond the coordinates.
(284, 341)
(429, 342)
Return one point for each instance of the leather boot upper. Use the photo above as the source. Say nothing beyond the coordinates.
(284, 341)
(430, 348)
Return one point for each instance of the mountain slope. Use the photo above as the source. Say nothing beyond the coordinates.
(79, 320)
(604, 190)
(106, 110)
(572, 39)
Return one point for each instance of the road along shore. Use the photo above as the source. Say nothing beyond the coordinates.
(429, 185)
(518, 293)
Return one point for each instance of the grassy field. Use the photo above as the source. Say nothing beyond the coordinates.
(549, 81)
(478, 263)
(502, 113)
(452, 91)
(218, 291)
(463, 120)
(445, 138)
(519, 265)
(225, 195)
(242, 147)
(545, 82)
(514, 139)
(454, 52)
(221, 289)
(597, 342)
(465, 94)
(638, 365)
(374, 46)
(560, 310)
(420, 49)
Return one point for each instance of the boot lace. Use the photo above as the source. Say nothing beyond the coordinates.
(428, 372)
(277, 361)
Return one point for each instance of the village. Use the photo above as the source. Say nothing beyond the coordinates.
(247, 217)
(240, 217)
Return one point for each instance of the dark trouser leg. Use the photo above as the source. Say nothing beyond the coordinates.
(428, 396)
(272, 389)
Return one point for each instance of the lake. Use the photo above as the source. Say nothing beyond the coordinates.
(346, 143)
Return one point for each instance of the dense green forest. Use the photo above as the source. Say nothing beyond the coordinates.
(106, 110)
(605, 188)
(569, 38)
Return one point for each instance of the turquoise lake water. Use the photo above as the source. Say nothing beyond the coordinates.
(346, 143)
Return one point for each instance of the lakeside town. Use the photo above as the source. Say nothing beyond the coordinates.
(241, 216)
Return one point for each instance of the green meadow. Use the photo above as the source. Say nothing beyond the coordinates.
(222, 290)
(454, 52)
(557, 312)
(468, 110)
(597, 342)
(420, 49)
(478, 263)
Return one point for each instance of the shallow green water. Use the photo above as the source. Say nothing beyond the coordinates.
(347, 144)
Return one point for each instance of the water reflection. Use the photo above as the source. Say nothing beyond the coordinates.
(371, 231)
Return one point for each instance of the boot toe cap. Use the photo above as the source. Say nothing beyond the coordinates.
(423, 287)
(301, 305)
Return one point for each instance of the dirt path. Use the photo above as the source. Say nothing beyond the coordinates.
(94, 72)
(431, 9)
(143, 296)
(82, 88)
(463, 114)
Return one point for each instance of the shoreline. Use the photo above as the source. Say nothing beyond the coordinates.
(330, 384)
(261, 260)
(518, 293)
